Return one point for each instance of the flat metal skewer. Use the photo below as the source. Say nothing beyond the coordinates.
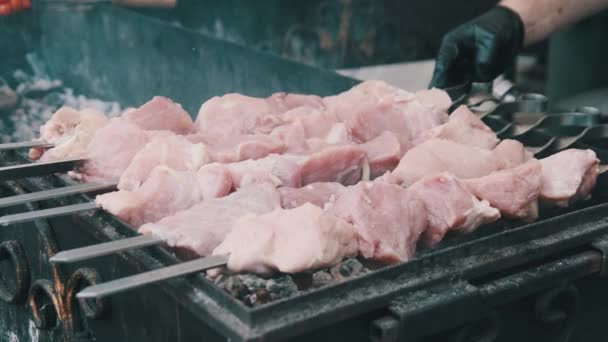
(24, 144)
(39, 169)
(154, 276)
(47, 213)
(101, 249)
(55, 193)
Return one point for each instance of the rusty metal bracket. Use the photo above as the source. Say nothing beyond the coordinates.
(13, 251)
(601, 245)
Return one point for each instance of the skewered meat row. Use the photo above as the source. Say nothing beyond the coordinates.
(455, 161)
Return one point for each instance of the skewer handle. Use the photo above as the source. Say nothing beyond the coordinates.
(47, 213)
(89, 252)
(38, 169)
(55, 193)
(151, 277)
(24, 144)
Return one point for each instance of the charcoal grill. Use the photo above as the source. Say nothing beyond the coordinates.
(504, 281)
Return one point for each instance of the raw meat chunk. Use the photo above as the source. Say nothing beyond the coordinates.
(344, 164)
(215, 180)
(568, 176)
(388, 222)
(163, 194)
(383, 154)
(112, 148)
(70, 131)
(512, 153)
(373, 107)
(514, 192)
(464, 127)
(450, 206)
(436, 155)
(204, 226)
(274, 242)
(279, 170)
(161, 114)
(244, 147)
(318, 194)
(434, 97)
(173, 151)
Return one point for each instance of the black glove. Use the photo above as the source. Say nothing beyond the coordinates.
(479, 50)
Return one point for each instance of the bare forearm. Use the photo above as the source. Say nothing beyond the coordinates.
(542, 17)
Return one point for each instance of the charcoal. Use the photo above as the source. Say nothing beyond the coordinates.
(8, 98)
(348, 269)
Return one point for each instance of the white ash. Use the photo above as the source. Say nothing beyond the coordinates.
(38, 100)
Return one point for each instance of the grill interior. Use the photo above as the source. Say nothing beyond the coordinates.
(247, 306)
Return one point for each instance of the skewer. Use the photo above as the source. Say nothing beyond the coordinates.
(154, 276)
(47, 213)
(55, 193)
(38, 169)
(101, 249)
(24, 144)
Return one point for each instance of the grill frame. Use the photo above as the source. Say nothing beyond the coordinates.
(295, 316)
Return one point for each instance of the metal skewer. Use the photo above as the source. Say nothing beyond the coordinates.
(39, 169)
(55, 193)
(89, 252)
(47, 213)
(150, 277)
(24, 144)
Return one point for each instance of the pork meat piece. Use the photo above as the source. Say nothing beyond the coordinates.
(163, 194)
(383, 154)
(373, 107)
(568, 176)
(318, 194)
(435, 98)
(272, 242)
(514, 192)
(279, 170)
(243, 147)
(173, 151)
(304, 123)
(204, 226)
(437, 155)
(236, 114)
(112, 149)
(388, 222)
(463, 127)
(214, 180)
(346, 164)
(512, 153)
(70, 131)
(450, 206)
(161, 114)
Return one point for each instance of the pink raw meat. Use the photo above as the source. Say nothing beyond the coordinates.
(387, 220)
(318, 194)
(204, 226)
(173, 151)
(164, 193)
(383, 154)
(568, 176)
(514, 192)
(450, 206)
(243, 147)
(340, 163)
(272, 242)
(112, 148)
(464, 127)
(279, 170)
(436, 155)
(512, 153)
(161, 114)
(373, 107)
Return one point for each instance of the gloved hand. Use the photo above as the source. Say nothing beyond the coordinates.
(479, 50)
